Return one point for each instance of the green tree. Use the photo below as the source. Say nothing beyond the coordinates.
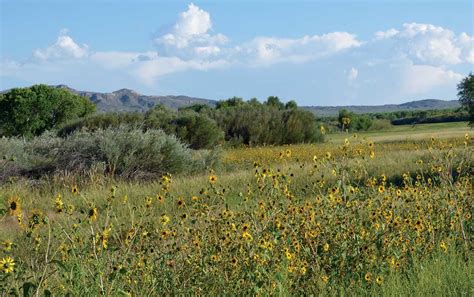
(31, 111)
(274, 101)
(466, 95)
(345, 118)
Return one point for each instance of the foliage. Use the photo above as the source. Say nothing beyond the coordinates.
(344, 233)
(31, 111)
(122, 151)
(466, 95)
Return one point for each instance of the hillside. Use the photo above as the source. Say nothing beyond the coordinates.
(126, 100)
(425, 104)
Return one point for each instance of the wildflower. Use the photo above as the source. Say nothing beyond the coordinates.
(372, 154)
(92, 214)
(381, 189)
(7, 245)
(288, 153)
(74, 190)
(288, 254)
(371, 145)
(324, 278)
(399, 193)
(160, 198)
(212, 178)
(247, 236)
(59, 204)
(7, 264)
(328, 155)
(379, 280)
(14, 205)
(326, 247)
(234, 261)
(165, 219)
(368, 277)
(443, 246)
(180, 202)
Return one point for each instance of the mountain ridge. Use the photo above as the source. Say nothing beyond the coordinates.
(128, 100)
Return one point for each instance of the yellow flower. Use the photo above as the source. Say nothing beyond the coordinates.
(326, 247)
(247, 236)
(59, 204)
(165, 219)
(372, 154)
(379, 280)
(368, 277)
(180, 202)
(14, 205)
(371, 145)
(322, 129)
(212, 178)
(443, 246)
(7, 264)
(381, 189)
(7, 245)
(74, 190)
(92, 214)
(288, 255)
(325, 279)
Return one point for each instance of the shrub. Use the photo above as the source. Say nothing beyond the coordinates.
(125, 152)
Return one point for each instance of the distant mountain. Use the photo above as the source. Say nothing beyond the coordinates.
(125, 100)
(425, 104)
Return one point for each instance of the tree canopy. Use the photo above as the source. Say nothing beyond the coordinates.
(466, 95)
(31, 111)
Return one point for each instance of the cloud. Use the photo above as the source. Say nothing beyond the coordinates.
(352, 74)
(429, 44)
(190, 35)
(149, 71)
(269, 50)
(64, 48)
(418, 79)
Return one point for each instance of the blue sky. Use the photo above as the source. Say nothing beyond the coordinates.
(315, 52)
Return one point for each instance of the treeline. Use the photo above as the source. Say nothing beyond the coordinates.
(350, 121)
(233, 121)
(29, 112)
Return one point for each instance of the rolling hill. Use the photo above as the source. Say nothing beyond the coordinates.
(126, 100)
(424, 104)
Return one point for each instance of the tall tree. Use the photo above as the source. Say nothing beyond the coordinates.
(466, 95)
(31, 111)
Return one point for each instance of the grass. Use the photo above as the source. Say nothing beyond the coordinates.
(294, 224)
(411, 133)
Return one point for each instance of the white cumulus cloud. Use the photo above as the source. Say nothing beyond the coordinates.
(64, 48)
(190, 35)
(430, 44)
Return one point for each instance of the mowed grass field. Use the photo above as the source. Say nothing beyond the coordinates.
(376, 213)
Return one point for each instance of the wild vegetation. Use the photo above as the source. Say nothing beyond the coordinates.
(245, 198)
(334, 219)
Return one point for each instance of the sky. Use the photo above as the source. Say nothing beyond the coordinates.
(314, 52)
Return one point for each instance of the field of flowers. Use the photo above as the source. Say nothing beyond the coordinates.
(352, 218)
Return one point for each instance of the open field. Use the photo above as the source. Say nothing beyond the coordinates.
(371, 214)
(412, 133)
